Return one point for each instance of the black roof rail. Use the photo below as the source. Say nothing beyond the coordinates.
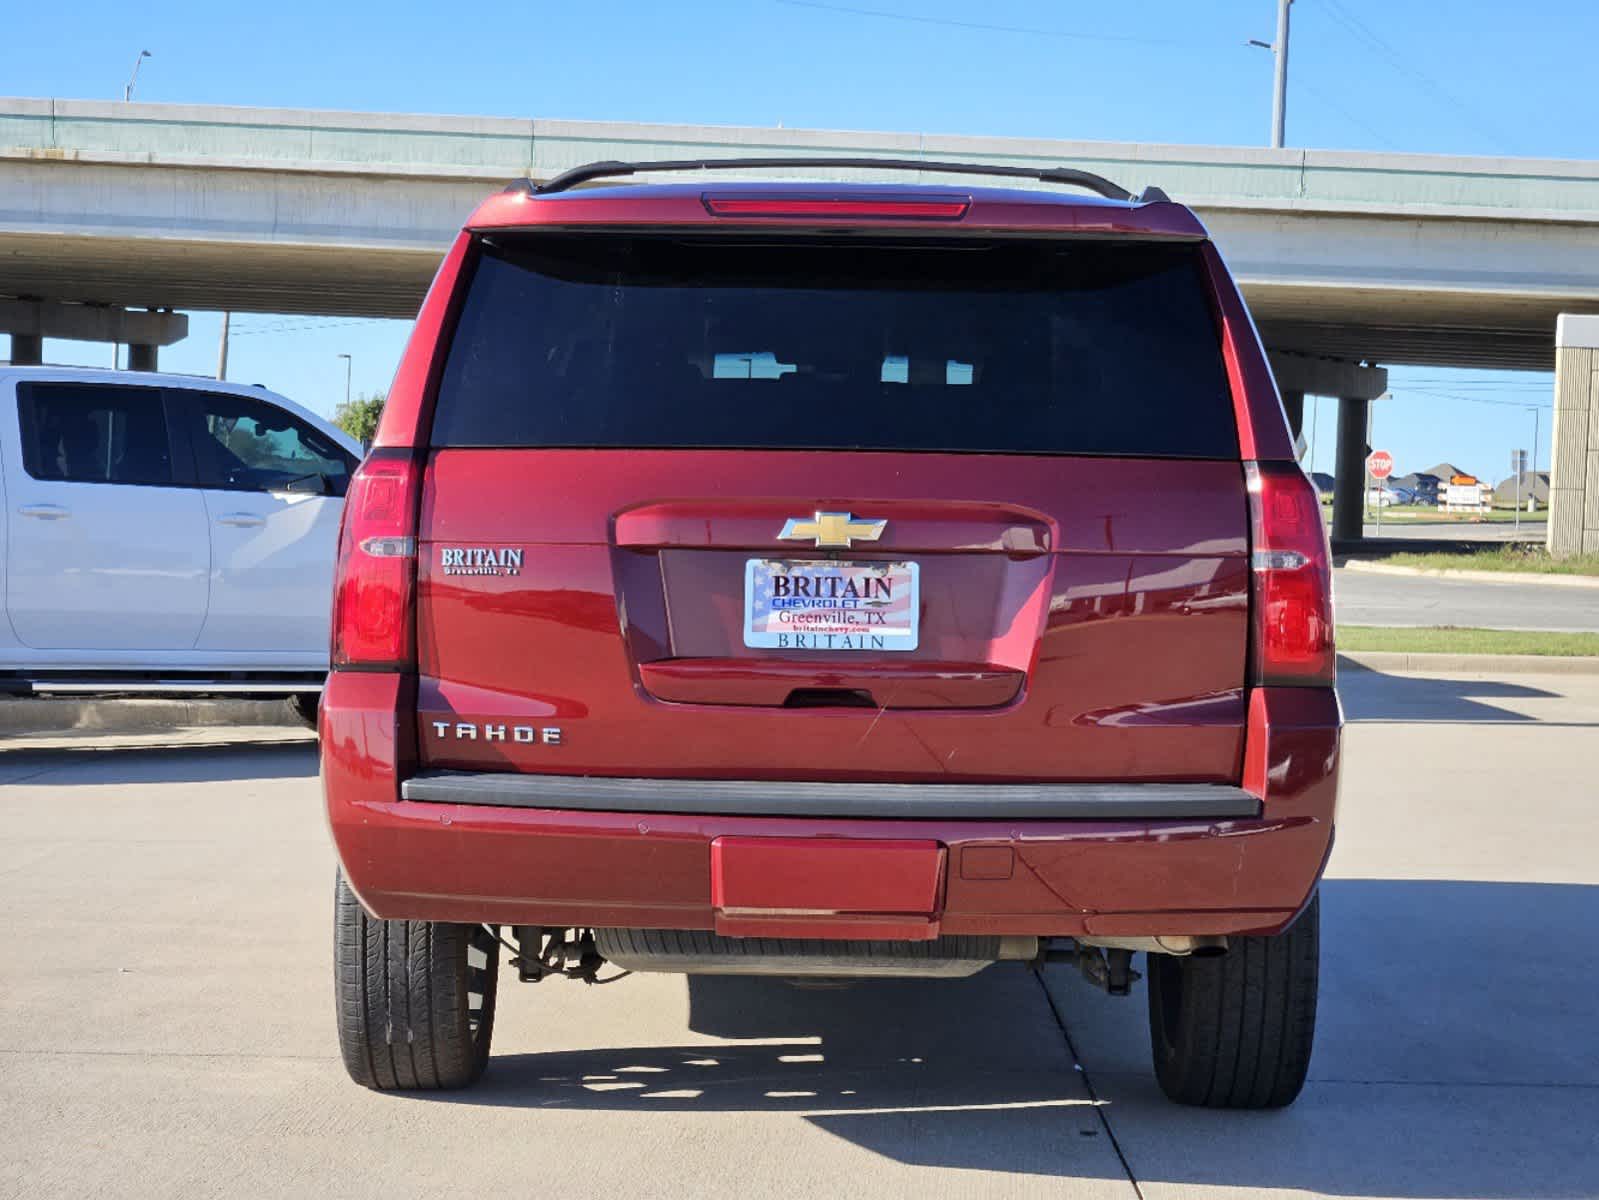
(1067, 176)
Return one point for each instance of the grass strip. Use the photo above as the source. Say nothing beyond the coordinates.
(1431, 512)
(1452, 639)
(1532, 559)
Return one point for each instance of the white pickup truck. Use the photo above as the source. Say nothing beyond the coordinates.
(165, 534)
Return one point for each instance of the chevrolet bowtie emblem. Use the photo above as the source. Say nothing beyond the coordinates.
(831, 529)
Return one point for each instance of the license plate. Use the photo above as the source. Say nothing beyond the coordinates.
(830, 605)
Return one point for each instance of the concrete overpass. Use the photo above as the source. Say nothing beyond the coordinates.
(1374, 258)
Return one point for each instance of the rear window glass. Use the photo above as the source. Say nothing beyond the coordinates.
(1004, 347)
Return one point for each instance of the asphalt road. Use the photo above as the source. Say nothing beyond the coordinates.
(166, 1023)
(1368, 599)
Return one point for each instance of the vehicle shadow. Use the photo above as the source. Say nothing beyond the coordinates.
(1376, 696)
(1455, 1058)
(212, 761)
(970, 1074)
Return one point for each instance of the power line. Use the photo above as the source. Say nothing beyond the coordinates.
(1424, 394)
(1446, 388)
(1475, 385)
(303, 325)
(1362, 32)
(1455, 380)
(1351, 24)
(1382, 138)
(985, 27)
(293, 325)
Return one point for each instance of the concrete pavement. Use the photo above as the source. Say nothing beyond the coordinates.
(1367, 599)
(1455, 1050)
(166, 1023)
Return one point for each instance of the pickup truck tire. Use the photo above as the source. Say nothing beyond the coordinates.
(415, 998)
(1235, 1030)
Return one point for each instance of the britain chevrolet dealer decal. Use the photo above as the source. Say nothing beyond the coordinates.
(479, 560)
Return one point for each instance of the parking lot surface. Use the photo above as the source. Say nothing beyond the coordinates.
(166, 1018)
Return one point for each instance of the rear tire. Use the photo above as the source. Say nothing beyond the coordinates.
(415, 998)
(1236, 1030)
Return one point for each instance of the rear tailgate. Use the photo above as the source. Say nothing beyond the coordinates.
(1030, 448)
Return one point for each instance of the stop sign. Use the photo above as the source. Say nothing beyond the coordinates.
(1380, 464)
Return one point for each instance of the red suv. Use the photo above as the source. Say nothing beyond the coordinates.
(833, 579)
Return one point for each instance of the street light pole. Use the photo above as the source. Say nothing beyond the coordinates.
(127, 92)
(347, 362)
(1279, 94)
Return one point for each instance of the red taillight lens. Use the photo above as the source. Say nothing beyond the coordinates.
(374, 587)
(1293, 640)
(875, 208)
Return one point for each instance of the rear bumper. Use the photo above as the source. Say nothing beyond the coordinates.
(1243, 862)
(787, 798)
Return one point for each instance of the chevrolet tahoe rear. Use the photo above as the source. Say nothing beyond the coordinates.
(840, 580)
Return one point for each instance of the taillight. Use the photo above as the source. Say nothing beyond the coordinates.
(1293, 625)
(873, 208)
(374, 587)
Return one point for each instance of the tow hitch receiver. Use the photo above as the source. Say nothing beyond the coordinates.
(1109, 970)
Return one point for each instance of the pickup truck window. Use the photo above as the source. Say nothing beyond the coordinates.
(94, 433)
(254, 446)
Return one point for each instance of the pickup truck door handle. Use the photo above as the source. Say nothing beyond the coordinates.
(241, 520)
(45, 512)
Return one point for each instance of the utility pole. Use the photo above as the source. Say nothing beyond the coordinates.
(1279, 92)
(1279, 95)
(222, 348)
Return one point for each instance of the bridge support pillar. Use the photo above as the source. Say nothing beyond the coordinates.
(1294, 406)
(1574, 473)
(1349, 475)
(29, 322)
(1356, 385)
(27, 349)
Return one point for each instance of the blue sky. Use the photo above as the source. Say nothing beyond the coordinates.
(1466, 78)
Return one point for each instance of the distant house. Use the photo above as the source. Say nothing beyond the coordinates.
(1444, 471)
(1533, 483)
(1323, 482)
